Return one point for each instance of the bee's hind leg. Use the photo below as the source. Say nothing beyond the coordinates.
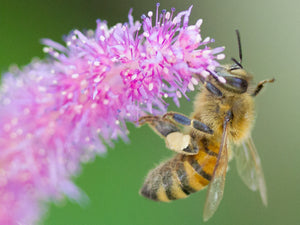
(174, 138)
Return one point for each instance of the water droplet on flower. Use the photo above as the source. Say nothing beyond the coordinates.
(150, 13)
(166, 95)
(117, 122)
(178, 93)
(74, 37)
(69, 43)
(87, 139)
(98, 130)
(102, 38)
(105, 101)
(94, 105)
(63, 92)
(54, 82)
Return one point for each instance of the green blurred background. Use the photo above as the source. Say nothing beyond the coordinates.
(270, 32)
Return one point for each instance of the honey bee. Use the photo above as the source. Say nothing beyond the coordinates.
(223, 116)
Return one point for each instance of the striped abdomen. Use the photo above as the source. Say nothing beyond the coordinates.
(180, 176)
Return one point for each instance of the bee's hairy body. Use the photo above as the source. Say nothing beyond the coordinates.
(223, 115)
(185, 174)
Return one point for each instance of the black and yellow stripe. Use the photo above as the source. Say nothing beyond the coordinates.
(181, 175)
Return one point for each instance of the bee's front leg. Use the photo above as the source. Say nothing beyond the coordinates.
(185, 121)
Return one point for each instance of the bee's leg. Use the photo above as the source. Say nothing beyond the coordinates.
(174, 138)
(260, 85)
(185, 121)
(212, 89)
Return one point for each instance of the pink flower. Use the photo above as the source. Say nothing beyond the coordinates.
(53, 112)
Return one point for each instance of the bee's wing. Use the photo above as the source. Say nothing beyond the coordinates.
(249, 168)
(216, 185)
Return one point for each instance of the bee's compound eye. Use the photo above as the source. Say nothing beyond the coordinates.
(236, 84)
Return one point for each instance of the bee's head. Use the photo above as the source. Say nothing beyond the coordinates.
(236, 77)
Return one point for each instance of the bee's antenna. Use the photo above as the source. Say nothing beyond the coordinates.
(239, 44)
(237, 63)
